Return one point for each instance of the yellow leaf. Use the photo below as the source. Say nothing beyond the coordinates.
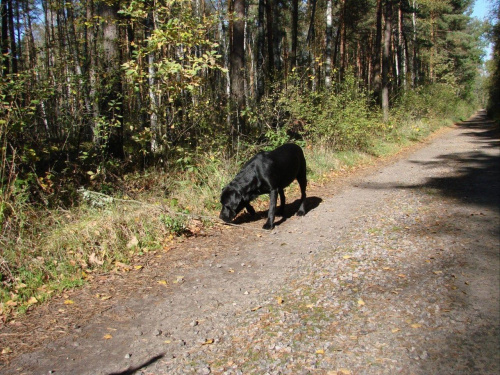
(346, 256)
(11, 303)
(280, 300)
(137, 267)
(32, 301)
(208, 342)
(394, 330)
(162, 282)
(167, 341)
(437, 272)
(361, 302)
(310, 306)
(68, 302)
(105, 298)
(320, 351)
(402, 275)
(7, 350)
(345, 371)
(416, 325)
(107, 337)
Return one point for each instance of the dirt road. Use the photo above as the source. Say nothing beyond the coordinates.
(393, 270)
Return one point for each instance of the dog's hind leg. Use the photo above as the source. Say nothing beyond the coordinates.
(273, 199)
(302, 183)
(281, 210)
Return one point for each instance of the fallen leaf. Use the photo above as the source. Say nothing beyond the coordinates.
(93, 259)
(133, 242)
(280, 300)
(310, 306)
(107, 337)
(208, 342)
(346, 257)
(69, 302)
(344, 371)
(361, 302)
(162, 282)
(402, 275)
(320, 351)
(416, 325)
(126, 267)
(257, 308)
(437, 272)
(7, 350)
(32, 301)
(394, 330)
(11, 303)
(138, 267)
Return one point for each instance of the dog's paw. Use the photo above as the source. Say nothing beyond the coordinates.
(268, 226)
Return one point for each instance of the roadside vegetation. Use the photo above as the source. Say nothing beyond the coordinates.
(121, 122)
(115, 222)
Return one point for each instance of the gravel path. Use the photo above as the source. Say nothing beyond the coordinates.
(392, 271)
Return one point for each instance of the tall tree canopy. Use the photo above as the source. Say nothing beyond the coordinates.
(89, 81)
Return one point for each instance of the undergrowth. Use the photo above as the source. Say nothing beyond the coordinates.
(44, 251)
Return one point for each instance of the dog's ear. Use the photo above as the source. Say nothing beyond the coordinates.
(235, 198)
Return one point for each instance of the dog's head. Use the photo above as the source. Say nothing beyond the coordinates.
(232, 203)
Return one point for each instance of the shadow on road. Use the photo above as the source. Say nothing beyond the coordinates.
(290, 210)
(477, 180)
(133, 370)
(477, 173)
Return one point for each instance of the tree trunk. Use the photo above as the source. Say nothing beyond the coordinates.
(377, 83)
(5, 38)
(328, 44)
(270, 38)
(153, 102)
(111, 87)
(386, 60)
(401, 46)
(12, 37)
(237, 63)
(295, 24)
(414, 70)
(260, 50)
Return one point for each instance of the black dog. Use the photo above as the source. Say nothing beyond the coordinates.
(267, 172)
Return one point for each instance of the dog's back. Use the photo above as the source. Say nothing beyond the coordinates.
(289, 164)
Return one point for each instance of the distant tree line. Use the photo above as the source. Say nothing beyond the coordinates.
(93, 82)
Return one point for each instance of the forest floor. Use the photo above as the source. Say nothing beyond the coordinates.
(394, 269)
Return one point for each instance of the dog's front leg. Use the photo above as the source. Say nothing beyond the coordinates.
(273, 198)
(250, 209)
